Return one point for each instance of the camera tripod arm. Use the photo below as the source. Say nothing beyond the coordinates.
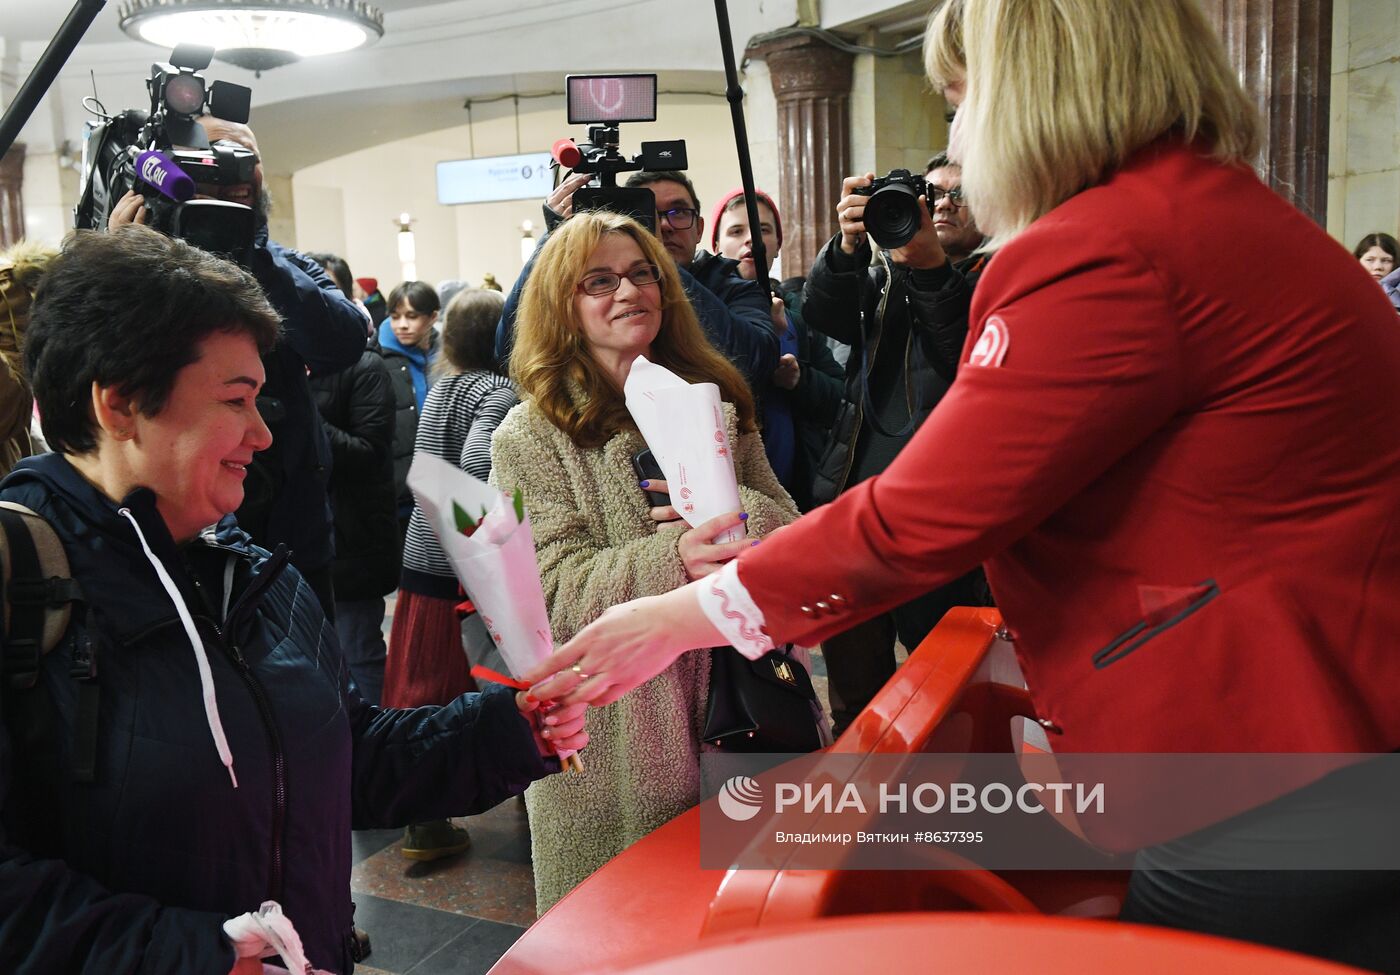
(735, 94)
(50, 63)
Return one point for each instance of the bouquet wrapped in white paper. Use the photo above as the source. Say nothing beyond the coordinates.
(486, 536)
(683, 424)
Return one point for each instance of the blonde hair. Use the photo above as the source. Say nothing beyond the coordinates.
(1060, 92)
(551, 364)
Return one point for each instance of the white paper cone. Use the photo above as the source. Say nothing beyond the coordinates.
(496, 565)
(699, 466)
(504, 584)
(644, 380)
(684, 426)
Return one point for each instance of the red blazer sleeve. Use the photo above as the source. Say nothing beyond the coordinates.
(1092, 367)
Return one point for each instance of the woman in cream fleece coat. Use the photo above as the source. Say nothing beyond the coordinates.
(604, 292)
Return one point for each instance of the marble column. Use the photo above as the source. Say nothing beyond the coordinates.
(11, 198)
(1282, 50)
(812, 85)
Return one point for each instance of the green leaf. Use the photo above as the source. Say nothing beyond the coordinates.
(519, 499)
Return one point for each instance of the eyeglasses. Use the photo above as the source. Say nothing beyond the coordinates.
(954, 196)
(681, 218)
(606, 282)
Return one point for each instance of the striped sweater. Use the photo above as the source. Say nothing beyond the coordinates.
(459, 416)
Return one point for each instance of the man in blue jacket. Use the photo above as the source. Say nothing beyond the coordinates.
(732, 311)
(288, 498)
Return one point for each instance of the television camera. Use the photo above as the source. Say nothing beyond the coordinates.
(602, 102)
(163, 153)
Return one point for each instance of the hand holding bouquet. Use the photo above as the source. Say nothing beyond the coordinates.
(493, 553)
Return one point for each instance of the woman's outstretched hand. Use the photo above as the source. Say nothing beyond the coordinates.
(625, 647)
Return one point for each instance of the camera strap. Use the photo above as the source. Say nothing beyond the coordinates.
(872, 415)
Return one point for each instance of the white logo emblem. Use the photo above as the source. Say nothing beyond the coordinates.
(152, 172)
(608, 94)
(741, 798)
(991, 344)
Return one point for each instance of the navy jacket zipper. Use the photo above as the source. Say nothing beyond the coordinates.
(279, 761)
(271, 569)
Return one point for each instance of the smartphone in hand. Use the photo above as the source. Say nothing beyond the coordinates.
(647, 470)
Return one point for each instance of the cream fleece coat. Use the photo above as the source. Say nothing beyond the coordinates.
(597, 547)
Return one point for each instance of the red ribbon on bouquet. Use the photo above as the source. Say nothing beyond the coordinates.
(573, 762)
(496, 677)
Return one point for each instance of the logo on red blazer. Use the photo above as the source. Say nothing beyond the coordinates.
(991, 344)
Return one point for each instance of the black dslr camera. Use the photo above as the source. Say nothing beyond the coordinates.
(892, 216)
(602, 102)
(164, 152)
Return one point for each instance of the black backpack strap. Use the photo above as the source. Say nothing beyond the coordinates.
(24, 599)
(83, 669)
(42, 602)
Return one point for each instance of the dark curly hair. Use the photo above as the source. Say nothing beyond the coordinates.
(129, 308)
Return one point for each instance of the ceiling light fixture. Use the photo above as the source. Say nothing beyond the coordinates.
(255, 34)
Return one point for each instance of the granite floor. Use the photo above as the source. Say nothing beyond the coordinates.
(456, 915)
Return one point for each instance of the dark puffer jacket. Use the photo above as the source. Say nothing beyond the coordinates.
(853, 302)
(136, 870)
(286, 498)
(396, 360)
(357, 407)
(816, 400)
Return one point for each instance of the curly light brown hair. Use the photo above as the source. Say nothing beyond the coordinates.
(551, 363)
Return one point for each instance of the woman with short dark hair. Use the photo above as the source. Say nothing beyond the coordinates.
(193, 746)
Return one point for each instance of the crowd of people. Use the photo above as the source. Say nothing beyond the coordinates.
(1038, 382)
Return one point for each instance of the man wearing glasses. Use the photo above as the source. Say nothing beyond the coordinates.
(905, 318)
(733, 312)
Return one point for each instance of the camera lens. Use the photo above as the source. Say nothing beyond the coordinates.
(892, 216)
(225, 229)
(184, 94)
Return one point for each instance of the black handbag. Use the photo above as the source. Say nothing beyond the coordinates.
(763, 705)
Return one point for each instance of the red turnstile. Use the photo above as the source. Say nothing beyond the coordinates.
(960, 691)
(959, 943)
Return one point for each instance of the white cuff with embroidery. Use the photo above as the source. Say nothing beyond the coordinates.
(732, 610)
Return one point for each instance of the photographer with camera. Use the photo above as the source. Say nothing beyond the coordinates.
(735, 314)
(322, 333)
(905, 318)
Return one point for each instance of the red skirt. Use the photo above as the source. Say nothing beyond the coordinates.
(426, 663)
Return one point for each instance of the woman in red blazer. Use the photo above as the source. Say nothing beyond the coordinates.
(1183, 476)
